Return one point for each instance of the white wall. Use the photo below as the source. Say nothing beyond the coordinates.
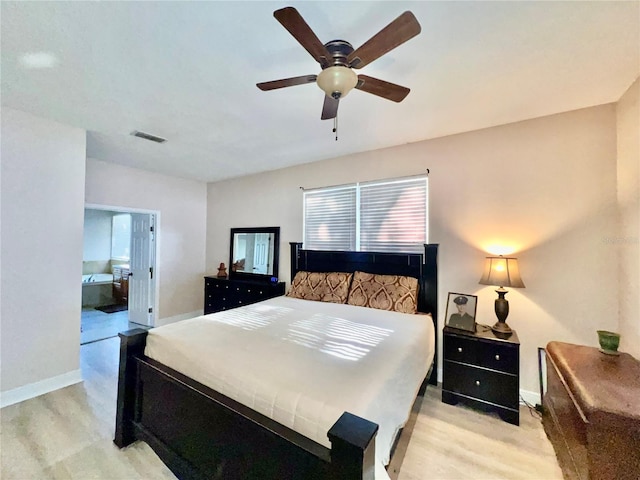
(97, 235)
(628, 241)
(181, 231)
(543, 189)
(43, 168)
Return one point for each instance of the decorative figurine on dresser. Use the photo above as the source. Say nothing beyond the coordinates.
(254, 273)
(222, 271)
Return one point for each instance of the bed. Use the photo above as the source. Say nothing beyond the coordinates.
(200, 432)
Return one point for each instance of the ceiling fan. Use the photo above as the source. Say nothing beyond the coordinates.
(337, 59)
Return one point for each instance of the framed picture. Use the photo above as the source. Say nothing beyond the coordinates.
(461, 311)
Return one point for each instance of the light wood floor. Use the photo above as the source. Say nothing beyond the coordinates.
(67, 434)
(96, 325)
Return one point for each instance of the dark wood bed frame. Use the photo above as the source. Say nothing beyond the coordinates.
(201, 434)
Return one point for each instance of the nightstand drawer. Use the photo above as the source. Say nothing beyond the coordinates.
(460, 349)
(489, 386)
(501, 357)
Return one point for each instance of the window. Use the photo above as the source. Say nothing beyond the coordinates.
(120, 236)
(381, 216)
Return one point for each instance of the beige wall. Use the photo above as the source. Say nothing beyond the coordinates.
(181, 231)
(43, 167)
(628, 241)
(543, 189)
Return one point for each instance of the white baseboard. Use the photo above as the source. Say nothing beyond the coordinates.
(532, 398)
(36, 389)
(177, 318)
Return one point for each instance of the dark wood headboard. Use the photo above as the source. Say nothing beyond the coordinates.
(424, 267)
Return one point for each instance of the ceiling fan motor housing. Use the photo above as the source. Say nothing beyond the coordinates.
(339, 50)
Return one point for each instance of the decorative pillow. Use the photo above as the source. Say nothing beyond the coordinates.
(385, 292)
(308, 286)
(337, 287)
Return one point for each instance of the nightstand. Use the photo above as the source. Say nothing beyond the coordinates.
(482, 371)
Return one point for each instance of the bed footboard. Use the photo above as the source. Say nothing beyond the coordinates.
(199, 433)
(132, 343)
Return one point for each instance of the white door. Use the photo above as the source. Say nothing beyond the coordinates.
(261, 254)
(142, 279)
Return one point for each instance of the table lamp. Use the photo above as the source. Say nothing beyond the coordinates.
(501, 272)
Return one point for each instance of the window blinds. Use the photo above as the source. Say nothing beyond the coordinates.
(381, 216)
(330, 219)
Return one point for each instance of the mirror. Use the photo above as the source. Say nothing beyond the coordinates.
(254, 253)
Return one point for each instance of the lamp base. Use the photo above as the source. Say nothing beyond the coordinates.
(501, 328)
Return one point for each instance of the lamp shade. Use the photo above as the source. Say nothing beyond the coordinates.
(502, 272)
(337, 81)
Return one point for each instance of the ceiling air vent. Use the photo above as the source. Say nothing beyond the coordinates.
(148, 136)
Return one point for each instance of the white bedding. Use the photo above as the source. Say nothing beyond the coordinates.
(304, 363)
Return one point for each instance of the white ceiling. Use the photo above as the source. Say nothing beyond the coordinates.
(187, 71)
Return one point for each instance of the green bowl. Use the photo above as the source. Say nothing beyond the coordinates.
(609, 341)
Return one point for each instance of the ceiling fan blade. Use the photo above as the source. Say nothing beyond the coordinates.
(330, 108)
(383, 89)
(296, 26)
(286, 82)
(396, 33)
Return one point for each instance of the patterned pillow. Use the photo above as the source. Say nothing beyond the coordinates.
(385, 292)
(337, 287)
(308, 286)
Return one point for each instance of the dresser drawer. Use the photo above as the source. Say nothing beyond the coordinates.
(251, 293)
(501, 357)
(460, 349)
(478, 383)
(494, 355)
(224, 294)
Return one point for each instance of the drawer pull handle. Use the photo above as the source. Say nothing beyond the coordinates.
(497, 357)
(460, 349)
(478, 383)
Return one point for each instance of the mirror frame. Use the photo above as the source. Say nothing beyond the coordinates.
(275, 232)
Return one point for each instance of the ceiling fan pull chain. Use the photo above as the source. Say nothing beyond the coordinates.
(335, 126)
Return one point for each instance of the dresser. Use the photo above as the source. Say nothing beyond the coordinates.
(483, 371)
(592, 412)
(224, 294)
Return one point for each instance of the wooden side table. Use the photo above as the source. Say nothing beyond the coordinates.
(483, 371)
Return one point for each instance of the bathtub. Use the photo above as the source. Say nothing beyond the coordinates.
(97, 279)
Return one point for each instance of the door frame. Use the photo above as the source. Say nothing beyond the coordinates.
(155, 246)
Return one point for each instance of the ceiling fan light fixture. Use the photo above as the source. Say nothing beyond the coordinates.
(337, 81)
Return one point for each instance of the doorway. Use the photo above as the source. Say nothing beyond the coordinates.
(119, 271)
